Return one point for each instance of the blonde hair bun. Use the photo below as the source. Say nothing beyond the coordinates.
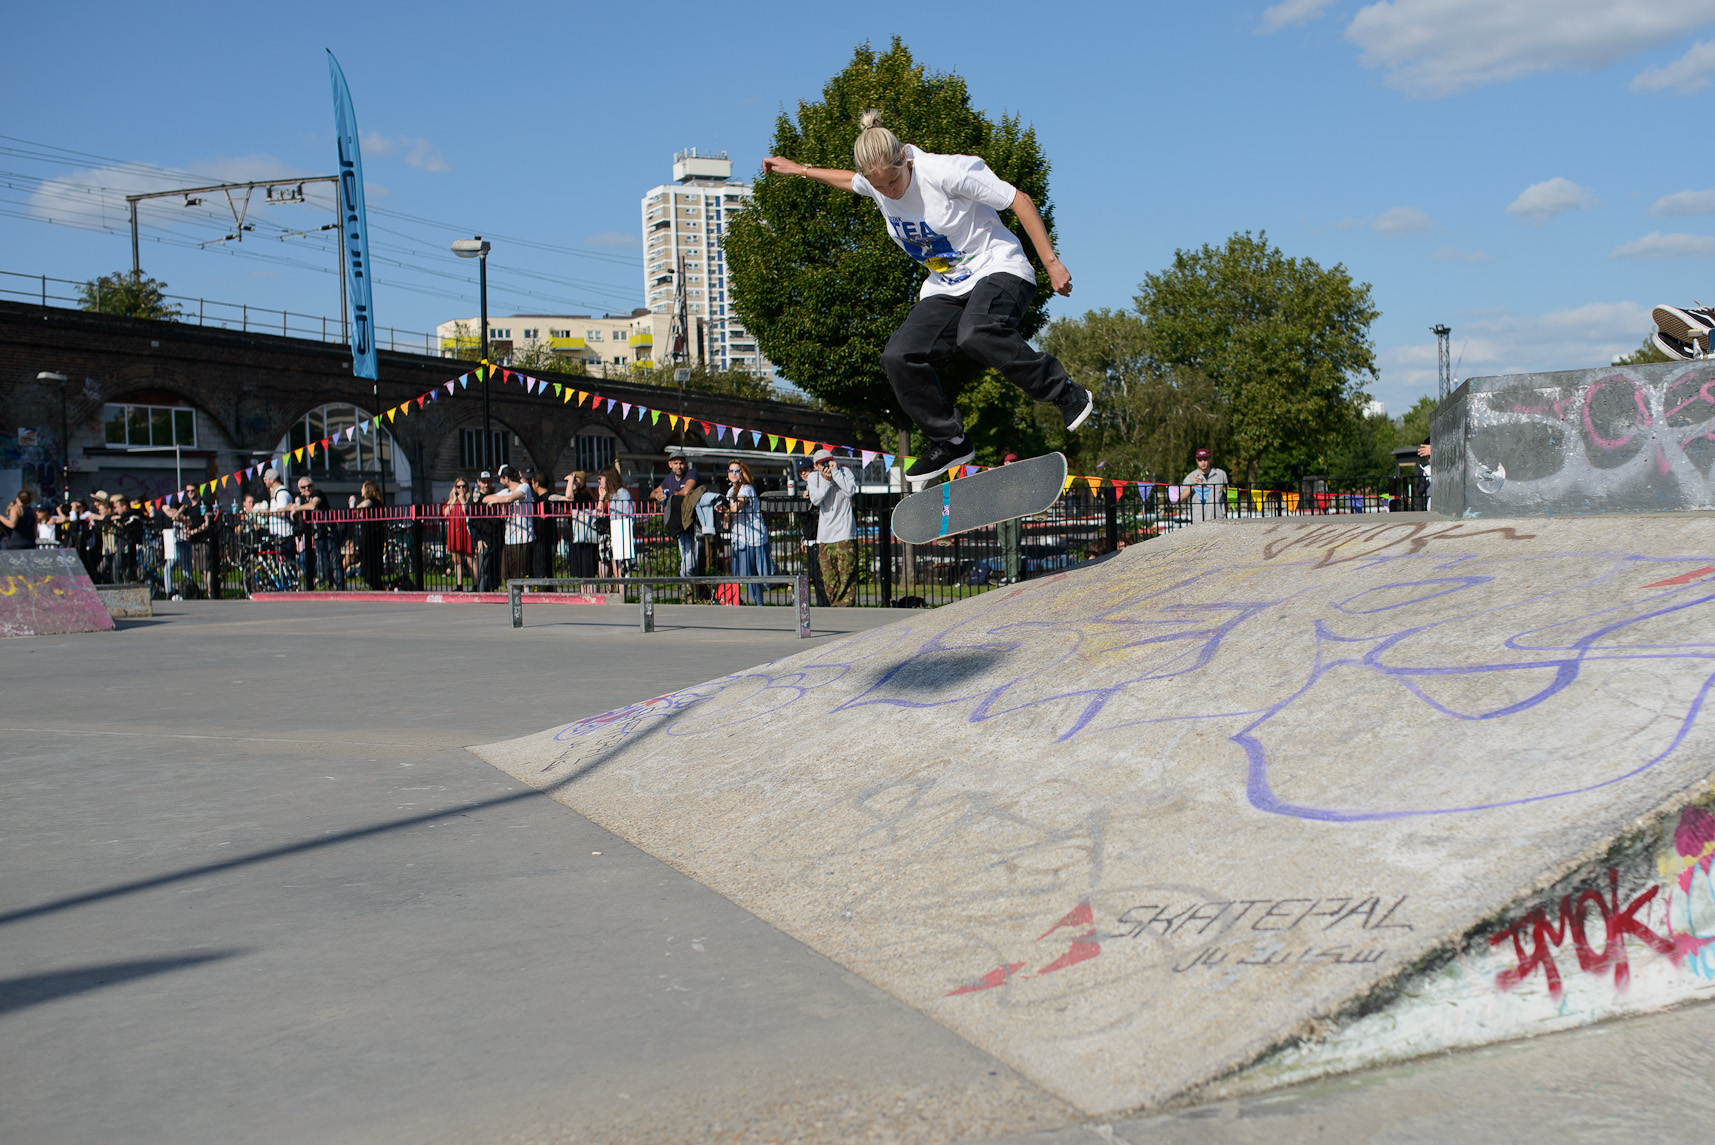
(876, 149)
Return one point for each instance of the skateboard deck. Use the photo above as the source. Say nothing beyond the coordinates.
(986, 498)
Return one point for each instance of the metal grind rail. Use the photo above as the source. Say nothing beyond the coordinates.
(800, 585)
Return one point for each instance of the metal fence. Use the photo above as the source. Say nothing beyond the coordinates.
(424, 547)
(46, 290)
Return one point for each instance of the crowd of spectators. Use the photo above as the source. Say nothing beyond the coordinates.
(506, 524)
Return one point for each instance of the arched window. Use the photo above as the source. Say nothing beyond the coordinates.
(367, 455)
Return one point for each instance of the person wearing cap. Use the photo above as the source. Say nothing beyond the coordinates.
(486, 530)
(520, 531)
(1010, 534)
(279, 510)
(669, 495)
(1205, 489)
(831, 488)
(808, 526)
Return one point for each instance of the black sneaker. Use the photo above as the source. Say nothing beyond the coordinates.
(937, 459)
(1687, 325)
(1675, 348)
(1075, 404)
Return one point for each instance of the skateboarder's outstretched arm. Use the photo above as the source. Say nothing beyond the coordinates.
(833, 177)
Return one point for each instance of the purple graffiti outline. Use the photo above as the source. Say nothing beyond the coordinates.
(1185, 623)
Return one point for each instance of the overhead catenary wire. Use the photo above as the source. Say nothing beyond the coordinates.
(523, 287)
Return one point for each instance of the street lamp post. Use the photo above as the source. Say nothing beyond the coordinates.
(65, 435)
(478, 249)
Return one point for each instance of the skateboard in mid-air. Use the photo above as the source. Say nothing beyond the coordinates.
(983, 499)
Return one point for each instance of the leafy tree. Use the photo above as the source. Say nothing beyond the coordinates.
(703, 380)
(1285, 342)
(814, 274)
(1414, 424)
(1643, 355)
(130, 294)
(1149, 422)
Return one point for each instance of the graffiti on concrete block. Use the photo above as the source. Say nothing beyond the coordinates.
(1579, 441)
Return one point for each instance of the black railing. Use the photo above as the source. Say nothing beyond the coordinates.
(433, 548)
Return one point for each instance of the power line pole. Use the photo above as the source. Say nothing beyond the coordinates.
(1443, 366)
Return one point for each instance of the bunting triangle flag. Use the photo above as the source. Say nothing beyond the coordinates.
(887, 461)
(390, 414)
(756, 437)
(558, 389)
(464, 381)
(625, 410)
(312, 448)
(581, 396)
(565, 394)
(791, 445)
(298, 454)
(708, 429)
(451, 384)
(810, 447)
(655, 417)
(868, 456)
(611, 402)
(773, 441)
(225, 479)
(1094, 483)
(421, 400)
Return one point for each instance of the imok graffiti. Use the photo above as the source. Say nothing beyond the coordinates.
(1647, 918)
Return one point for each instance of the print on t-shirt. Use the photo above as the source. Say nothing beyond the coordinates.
(929, 248)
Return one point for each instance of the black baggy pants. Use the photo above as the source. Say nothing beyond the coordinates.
(984, 325)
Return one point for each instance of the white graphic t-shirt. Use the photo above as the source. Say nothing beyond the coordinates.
(947, 220)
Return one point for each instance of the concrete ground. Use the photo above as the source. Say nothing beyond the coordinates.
(257, 891)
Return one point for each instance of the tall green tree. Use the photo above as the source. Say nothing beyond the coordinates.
(814, 274)
(1285, 342)
(130, 294)
(1149, 421)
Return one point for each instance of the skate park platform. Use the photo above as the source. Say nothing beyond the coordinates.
(46, 592)
(1253, 803)
(1620, 439)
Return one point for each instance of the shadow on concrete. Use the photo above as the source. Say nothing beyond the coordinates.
(137, 886)
(33, 989)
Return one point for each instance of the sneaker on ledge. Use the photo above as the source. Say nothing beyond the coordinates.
(1075, 404)
(937, 459)
(1687, 324)
(1675, 348)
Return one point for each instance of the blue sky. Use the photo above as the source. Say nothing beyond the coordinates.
(1506, 167)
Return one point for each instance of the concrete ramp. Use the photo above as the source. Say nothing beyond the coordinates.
(44, 592)
(1229, 808)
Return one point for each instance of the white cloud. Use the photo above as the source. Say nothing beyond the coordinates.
(1459, 254)
(1290, 12)
(418, 152)
(1657, 245)
(1434, 48)
(1402, 221)
(1540, 202)
(1682, 203)
(1504, 343)
(612, 238)
(1690, 72)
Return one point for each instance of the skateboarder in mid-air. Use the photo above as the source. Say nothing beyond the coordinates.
(942, 211)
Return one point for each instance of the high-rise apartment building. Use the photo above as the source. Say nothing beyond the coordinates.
(683, 223)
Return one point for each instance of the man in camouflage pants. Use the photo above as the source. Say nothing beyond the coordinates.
(831, 487)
